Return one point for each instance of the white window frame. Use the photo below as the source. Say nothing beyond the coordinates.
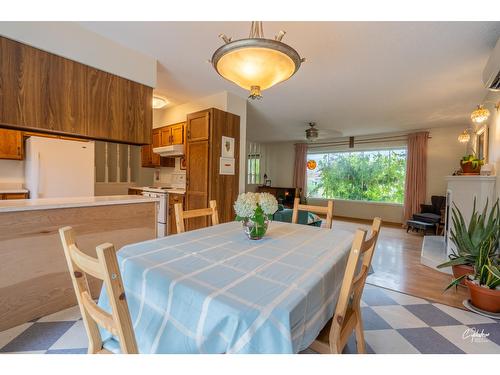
(254, 158)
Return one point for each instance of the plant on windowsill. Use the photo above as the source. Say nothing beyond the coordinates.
(255, 210)
(477, 245)
(471, 165)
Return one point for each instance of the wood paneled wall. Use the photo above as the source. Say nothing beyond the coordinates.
(43, 91)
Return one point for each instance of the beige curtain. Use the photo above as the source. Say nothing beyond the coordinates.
(416, 173)
(299, 172)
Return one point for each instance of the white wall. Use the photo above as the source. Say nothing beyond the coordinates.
(70, 40)
(443, 158)
(224, 101)
(494, 134)
(444, 153)
(12, 171)
(175, 114)
(238, 106)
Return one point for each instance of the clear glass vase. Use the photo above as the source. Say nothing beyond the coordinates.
(253, 230)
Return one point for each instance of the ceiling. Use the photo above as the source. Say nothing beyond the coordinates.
(360, 78)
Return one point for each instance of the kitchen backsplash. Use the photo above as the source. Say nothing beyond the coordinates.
(171, 176)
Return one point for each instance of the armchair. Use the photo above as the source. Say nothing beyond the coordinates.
(431, 213)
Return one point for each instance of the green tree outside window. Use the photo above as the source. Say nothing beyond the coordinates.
(377, 176)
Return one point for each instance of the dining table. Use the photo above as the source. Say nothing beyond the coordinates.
(214, 290)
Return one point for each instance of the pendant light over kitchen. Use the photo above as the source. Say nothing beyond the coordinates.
(256, 63)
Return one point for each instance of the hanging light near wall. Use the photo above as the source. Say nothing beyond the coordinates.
(256, 63)
(480, 114)
(464, 137)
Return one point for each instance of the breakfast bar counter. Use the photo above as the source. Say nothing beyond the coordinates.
(34, 278)
(69, 202)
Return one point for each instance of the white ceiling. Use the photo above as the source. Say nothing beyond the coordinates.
(359, 77)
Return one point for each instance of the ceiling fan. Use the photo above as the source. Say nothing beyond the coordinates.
(312, 132)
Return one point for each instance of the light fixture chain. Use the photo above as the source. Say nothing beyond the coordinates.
(256, 30)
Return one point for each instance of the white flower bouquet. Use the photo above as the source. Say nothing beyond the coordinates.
(255, 210)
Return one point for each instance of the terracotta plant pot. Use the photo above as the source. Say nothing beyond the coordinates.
(461, 270)
(484, 298)
(467, 168)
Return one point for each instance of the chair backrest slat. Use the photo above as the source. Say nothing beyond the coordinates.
(105, 267)
(328, 211)
(101, 317)
(181, 215)
(86, 263)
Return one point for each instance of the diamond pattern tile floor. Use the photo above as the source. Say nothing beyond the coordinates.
(393, 322)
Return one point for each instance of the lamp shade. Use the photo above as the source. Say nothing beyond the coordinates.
(259, 65)
(464, 137)
(159, 102)
(480, 114)
(256, 63)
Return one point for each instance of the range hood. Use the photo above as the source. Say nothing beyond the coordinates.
(169, 151)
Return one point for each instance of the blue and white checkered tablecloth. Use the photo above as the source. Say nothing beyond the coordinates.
(213, 290)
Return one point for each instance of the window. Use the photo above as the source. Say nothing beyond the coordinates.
(377, 176)
(253, 164)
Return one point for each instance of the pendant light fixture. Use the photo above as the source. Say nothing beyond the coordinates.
(256, 63)
(479, 115)
(464, 137)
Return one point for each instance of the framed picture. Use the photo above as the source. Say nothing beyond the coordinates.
(482, 144)
(227, 147)
(267, 183)
(226, 166)
(182, 163)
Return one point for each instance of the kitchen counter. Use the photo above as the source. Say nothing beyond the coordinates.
(34, 280)
(12, 188)
(54, 203)
(159, 189)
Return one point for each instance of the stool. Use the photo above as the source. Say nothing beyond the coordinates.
(419, 226)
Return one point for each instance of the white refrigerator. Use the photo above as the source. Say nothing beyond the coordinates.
(59, 168)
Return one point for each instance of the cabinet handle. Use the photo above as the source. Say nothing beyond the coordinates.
(188, 134)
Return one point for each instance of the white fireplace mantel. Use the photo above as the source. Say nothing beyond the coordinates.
(461, 192)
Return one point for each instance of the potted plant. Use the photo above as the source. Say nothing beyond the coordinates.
(478, 244)
(484, 287)
(469, 239)
(255, 210)
(470, 164)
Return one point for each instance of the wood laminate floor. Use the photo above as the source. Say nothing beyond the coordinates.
(397, 265)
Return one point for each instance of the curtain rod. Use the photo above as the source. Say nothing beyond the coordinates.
(393, 138)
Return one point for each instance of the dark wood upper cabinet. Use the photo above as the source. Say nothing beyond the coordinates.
(43, 91)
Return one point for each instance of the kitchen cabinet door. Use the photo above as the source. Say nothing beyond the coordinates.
(155, 158)
(198, 126)
(166, 136)
(15, 196)
(177, 134)
(11, 144)
(197, 181)
(146, 154)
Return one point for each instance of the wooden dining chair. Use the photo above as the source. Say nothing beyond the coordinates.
(334, 336)
(105, 268)
(181, 215)
(328, 210)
